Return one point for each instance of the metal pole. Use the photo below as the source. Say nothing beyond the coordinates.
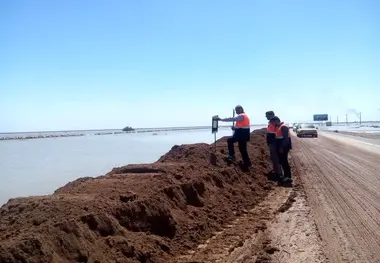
(347, 119)
(360, 118)
(233, 123)
(337, 120)
(215, 143)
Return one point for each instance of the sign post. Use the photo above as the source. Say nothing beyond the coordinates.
(214, 130)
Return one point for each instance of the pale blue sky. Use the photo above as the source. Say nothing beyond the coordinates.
(92, 64)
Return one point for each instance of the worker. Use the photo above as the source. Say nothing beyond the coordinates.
(271, 139)
(242, 132)
(283, 146)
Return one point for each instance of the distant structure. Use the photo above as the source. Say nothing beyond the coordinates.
(128, 128)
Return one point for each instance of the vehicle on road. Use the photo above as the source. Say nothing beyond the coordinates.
(307, 130)
(295, 125)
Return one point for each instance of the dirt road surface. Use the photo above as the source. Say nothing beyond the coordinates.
(341, 176)
(284, 233)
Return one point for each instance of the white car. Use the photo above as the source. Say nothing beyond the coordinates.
(295, 126)
(307, 130)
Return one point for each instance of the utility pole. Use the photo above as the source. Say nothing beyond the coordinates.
(360, 118)
(346, 119)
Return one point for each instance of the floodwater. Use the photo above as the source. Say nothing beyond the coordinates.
(39, 166)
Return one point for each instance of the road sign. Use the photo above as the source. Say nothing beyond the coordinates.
(214, 126)
(320, 117)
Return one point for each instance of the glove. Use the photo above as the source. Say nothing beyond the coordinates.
(281, 150)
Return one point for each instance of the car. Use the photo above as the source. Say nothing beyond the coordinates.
(294, 127)
(307, 130)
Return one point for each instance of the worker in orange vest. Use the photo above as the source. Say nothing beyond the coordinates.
(271, 139)
(283, 145)
(242, 133)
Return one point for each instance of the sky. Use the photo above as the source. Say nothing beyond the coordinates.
(97, 64)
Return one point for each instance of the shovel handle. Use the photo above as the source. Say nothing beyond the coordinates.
(233, 123)
(233, 115)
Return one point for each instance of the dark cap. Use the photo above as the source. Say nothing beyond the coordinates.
(270, 113)
(275, 118)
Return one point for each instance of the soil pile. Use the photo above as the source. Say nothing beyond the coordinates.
(136, 213)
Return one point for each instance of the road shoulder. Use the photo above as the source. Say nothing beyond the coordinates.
(368, 144)
(295, 234)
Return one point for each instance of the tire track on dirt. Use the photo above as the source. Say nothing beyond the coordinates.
(341, 183)
(278, 230)
(294, 232)
(245, 239)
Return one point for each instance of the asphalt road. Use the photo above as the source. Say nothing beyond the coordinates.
(341, 176)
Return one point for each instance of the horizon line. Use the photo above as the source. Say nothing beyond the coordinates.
(174, 127)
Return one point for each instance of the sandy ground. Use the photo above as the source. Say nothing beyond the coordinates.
(244, 239)
(331, 215)
(341, 176)
(295, 234)
(284, 233)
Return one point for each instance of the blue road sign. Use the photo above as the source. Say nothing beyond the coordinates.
(320, 117)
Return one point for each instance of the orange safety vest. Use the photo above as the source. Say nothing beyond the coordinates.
(271, 128)
(244, 124)
(279, 134)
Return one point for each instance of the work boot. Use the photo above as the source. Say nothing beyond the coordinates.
(231, 158)
(274, 177)
(244, 167)
(285, 181)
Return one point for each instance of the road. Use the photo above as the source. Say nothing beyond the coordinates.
(341, 178)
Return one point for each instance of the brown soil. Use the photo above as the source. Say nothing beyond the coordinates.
(136, 213)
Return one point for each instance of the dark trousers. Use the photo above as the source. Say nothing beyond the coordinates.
(242, 148)
(284, 162)
(274, 158)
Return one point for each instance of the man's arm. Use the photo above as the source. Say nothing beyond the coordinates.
(285, 134)
(237, 118)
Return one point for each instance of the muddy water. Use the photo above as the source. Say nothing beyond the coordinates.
(36, 167)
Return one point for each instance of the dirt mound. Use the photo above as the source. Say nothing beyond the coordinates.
(136, 213)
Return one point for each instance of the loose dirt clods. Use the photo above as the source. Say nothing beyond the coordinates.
(137, 213)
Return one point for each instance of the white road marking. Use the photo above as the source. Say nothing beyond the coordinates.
(376, 145)
(355, 140)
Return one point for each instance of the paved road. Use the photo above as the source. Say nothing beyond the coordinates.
(342, 180)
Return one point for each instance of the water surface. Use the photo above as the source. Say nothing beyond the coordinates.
(39, 166)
